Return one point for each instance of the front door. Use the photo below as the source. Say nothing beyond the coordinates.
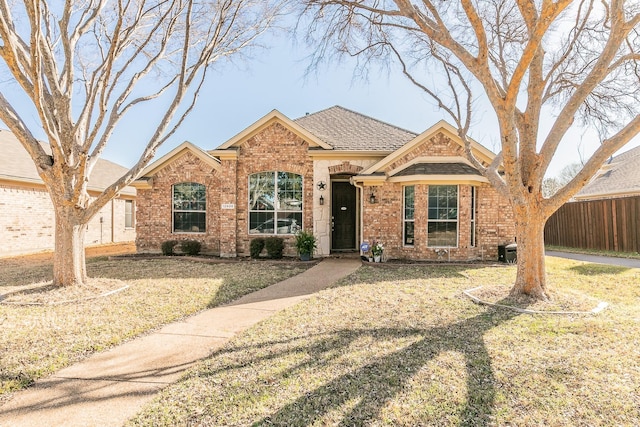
(343, 210)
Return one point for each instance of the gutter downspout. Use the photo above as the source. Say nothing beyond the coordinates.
(361, 225)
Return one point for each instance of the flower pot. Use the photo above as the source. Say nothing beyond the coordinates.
(376, 258)
(305, 257)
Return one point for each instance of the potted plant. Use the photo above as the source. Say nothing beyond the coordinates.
(376, 250)
(306, 243)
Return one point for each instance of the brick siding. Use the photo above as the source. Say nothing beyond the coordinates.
(154, 213)
(383, 221)
(27, 222)
(275, 148)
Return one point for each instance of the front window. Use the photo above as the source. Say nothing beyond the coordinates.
(408, 220)
(275, 203)
(189, 208)
(128, 213)
(473, 216)
(442, 227)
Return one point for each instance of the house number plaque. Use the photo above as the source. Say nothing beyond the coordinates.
(228, 206)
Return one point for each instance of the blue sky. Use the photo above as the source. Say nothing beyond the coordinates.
(236, 95)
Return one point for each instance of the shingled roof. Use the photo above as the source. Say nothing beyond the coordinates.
(438, 169)
(344, 129)
(620, 176)
(17, 165)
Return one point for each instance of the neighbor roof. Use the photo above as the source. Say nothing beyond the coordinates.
(344, 129)
(17, 165)
(620, 176)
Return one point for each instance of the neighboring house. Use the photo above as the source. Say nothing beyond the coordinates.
(605, 213)
(618, 177)
(26, 212)
(347, 177)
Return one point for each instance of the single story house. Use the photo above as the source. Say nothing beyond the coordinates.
(344, 176)
(26, 212)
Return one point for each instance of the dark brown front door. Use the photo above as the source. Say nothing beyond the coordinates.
(343, 210)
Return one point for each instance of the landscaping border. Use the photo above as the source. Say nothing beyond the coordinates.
(601, 306)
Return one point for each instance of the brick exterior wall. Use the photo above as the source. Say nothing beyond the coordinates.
(275, 148)
(383, 221)
(27, 222)
(345, 168)
(438, 145)
(154, 214)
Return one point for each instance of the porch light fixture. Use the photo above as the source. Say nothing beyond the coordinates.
(321, 200)
(372, 198)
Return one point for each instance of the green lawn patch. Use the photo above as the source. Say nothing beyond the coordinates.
(403, 346)
(37, 340)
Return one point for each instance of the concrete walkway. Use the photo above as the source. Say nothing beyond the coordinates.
(110, 387)
(597, 259)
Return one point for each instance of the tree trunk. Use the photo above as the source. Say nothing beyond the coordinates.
(531, 278)
(69, 267)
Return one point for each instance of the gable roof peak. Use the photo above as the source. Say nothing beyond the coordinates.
(274, 116)
(181, 149)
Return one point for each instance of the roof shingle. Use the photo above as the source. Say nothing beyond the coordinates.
(15, 163)
(619, 175)
(344, 129)
(438, 169)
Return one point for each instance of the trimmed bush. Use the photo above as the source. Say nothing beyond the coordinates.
(168, 247)
(191, 247)
(256, 246)
(275, 246)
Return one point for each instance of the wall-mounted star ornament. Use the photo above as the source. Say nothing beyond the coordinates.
(321, 185)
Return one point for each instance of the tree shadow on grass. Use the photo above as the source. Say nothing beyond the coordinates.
(378, 382)
(375, 384)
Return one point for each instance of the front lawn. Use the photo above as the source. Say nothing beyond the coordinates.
(37, 340)
(403, 346)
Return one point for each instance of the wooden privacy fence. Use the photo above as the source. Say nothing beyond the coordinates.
(610, 224)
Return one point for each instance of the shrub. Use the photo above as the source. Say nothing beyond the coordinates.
(306, 242)
(256, 246)
(275, 246)
(191, 247)
(168, 246)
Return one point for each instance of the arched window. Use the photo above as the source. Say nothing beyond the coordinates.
(189, 208)
(275, 203)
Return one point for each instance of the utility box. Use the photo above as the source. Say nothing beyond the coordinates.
(508, 253)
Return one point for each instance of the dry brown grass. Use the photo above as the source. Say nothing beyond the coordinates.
(403, 346)
(39, 339)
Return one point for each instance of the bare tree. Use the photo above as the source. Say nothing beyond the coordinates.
(575, 61)
(85, 65)
(551, 186)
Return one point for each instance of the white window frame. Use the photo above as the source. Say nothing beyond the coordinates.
(472, 230)
(404, 216)
(131, 214)
(457, 220)
(276, 205)
(174, 210)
